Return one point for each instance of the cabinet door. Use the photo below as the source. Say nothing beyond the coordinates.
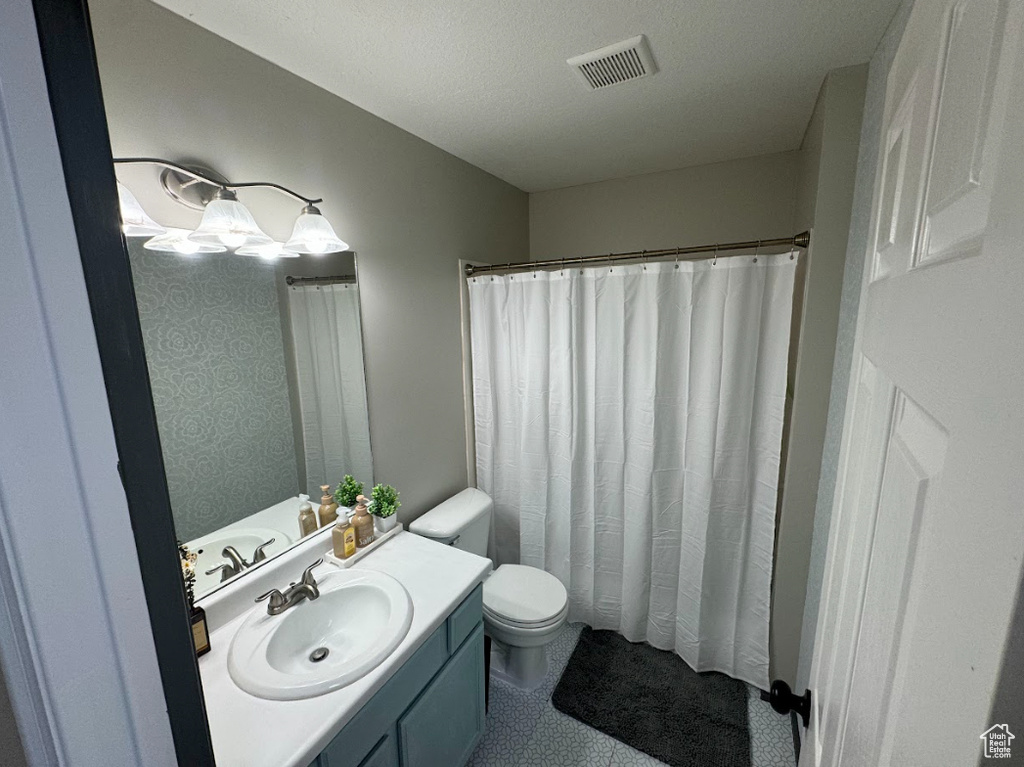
(363, 734)
(384, 754)
(340, 753)
(444, 724)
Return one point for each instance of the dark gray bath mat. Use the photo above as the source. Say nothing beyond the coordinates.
(651, 700)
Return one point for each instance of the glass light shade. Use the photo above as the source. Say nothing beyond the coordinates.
(229, 224)
(314, 234)
(269, 251)
(177, 241)
(134, 220)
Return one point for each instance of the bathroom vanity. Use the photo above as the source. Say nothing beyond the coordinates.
(422, 705)
(431, 711)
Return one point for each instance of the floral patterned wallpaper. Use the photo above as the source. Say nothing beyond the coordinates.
(212, 332)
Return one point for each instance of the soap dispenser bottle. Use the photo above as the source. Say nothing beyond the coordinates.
(307, 518)
(343, 537)
(328, 507)
(363, 523)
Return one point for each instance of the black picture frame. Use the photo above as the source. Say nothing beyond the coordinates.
(76, 100)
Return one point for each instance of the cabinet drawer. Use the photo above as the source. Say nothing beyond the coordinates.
(377, 717)
(465, 618)
(445, 723)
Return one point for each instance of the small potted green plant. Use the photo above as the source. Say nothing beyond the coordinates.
(348, 491)
(383, 507)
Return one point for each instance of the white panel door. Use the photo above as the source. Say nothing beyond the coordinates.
(927, 536)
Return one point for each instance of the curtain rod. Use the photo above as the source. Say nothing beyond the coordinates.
(801, 240)
(349, 279)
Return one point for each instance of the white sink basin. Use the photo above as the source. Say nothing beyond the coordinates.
(244, 539)
(359, 619)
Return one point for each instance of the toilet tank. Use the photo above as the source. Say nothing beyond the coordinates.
(464, 521)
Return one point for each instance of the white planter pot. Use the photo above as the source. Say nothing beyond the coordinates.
(383, 524)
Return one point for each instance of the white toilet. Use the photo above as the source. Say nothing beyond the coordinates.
(524, 607)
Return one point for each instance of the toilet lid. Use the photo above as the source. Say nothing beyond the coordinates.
(524, 594)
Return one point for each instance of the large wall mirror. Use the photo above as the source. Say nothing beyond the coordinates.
(256, 368)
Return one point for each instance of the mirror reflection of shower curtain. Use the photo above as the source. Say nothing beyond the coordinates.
(331, 386)
(628, 428)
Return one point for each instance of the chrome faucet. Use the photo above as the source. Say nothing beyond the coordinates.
(236, 559)
(305, 589)
(232, 567)
(236, 562)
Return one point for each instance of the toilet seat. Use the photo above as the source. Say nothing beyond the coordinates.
(506, 622)
(523, 597)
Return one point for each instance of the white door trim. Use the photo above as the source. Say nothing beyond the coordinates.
(75, 638)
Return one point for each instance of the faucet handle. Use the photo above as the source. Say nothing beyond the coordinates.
(307, 574)
(276, 598)
(226, 569)
(259, 554)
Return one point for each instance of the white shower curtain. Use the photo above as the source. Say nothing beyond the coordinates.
(332, 389)
(628, 427)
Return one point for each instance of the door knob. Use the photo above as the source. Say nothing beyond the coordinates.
(784, 700)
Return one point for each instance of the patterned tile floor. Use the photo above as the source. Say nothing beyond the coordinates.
(525, 730)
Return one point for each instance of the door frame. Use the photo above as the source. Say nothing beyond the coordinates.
(40, 694)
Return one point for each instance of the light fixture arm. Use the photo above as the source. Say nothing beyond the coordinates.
(213, 182)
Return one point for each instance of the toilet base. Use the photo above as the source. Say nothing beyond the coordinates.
(522, 667)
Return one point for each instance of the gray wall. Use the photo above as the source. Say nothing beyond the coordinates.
(828, 163)
(735, 200)
(849, 300)
(212, 330)
(407, 208)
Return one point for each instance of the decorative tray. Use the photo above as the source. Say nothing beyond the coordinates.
(379, 540)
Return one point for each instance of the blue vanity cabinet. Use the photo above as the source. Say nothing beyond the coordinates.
(465, 619)
(446, 721)
(431, 712)
(384, 754)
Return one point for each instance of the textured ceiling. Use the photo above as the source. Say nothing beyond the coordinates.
(488, 81)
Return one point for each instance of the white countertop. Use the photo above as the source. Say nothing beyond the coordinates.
(253, 732)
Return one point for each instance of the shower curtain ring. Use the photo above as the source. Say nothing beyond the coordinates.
(611, 263)
(757, 248)
(677, 257)
(643, 255)
(714, 258)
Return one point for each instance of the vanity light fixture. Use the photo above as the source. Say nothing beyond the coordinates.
(313, 234)
(271, 250)
(135, 222)
(226, 224)
(177, 241)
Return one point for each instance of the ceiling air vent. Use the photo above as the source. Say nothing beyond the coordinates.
(629, 60)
